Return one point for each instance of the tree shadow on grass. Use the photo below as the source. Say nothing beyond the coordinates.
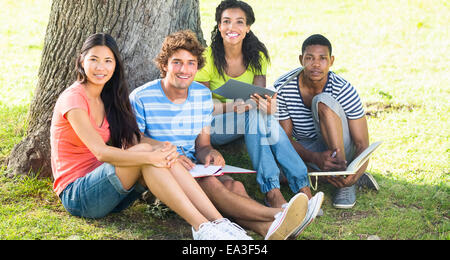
(399, 210)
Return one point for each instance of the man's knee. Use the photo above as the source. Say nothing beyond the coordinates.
(209, 183)
(141, 147)
(212, 185)
(325, 105)
(324, 110)
(235, 187)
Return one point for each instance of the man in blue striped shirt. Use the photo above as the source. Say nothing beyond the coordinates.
(180, 123)
(324, 113)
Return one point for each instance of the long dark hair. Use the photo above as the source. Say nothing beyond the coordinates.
(251, 46)
(115, 95)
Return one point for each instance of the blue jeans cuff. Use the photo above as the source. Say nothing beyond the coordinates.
(297, 183)
(269, 185)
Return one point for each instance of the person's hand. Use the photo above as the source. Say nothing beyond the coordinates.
(341, 181)
(214, 157)
(266, 104)
(186, 162)
(164, 155)
(327, 162)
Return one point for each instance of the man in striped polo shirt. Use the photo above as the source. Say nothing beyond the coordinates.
(324, 113)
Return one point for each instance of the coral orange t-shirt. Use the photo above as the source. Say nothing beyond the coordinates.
(70, 157)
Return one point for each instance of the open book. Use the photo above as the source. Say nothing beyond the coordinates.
(354, 166)
(212, 170)
(234, 89)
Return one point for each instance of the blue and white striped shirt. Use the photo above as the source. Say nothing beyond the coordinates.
(162, 120)
(290, 103)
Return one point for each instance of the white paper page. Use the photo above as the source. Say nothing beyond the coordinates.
(200, 170)
(234, 169)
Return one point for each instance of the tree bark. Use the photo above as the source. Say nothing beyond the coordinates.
(139, 28)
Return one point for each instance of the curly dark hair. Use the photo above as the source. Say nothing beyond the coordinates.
(185, 40)
(115, 94)
(251, 46)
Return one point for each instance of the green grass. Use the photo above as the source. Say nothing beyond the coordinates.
(394, 52)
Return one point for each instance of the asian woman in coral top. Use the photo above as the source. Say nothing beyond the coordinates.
(100, 162)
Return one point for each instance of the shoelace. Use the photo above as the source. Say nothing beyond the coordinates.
(213, 233)
(207, 230)
(232, 224)
(345, 193)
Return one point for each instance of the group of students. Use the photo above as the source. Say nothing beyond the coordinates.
(109, 146)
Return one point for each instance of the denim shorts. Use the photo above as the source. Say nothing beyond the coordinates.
(98, 193)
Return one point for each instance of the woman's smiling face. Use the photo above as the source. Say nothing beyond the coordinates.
(99, 65)
(233, 26)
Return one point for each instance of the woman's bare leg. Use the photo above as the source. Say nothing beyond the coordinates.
(163, 185)
(175, 187)
(194, 192)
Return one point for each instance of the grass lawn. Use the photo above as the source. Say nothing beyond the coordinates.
(393, 52)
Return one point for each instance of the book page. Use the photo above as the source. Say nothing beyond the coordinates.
(234, 169)
(354, 166)
(363, 157)
(201, 171)
(331, 173)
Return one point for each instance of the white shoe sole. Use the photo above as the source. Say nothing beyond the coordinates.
(344, 206)
(316, 203)
(292, 218)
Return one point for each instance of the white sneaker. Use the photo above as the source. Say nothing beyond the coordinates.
(231, 228)
(314, 205)
(208, 231)
(287, 221)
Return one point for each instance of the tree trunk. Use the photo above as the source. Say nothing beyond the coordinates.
(139, 28)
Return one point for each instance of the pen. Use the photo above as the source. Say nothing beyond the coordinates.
(333, 154)
(182, 150)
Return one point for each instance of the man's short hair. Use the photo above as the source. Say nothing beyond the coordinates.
(185, 40)
(316, 39)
